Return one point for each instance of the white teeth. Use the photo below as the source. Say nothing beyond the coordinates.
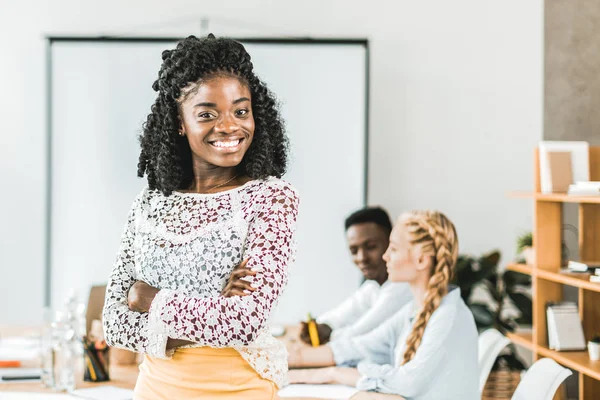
(229, 143)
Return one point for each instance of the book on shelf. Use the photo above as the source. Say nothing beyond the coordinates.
(584, 189)
(561, 163)
(565, 331)
(579, 266)
(575, 266)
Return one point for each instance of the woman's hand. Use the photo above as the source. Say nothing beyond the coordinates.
(301, 356)
(295, 358)
(140, 296)
(323, 330)
(314, 376)
(236, 286)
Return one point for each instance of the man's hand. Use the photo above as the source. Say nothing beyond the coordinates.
(312, 376)
(323, 330)
(236, 286)
(140, 296)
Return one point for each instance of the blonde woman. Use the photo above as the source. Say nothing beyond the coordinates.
(428, 350)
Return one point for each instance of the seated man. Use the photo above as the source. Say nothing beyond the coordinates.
(377, 299)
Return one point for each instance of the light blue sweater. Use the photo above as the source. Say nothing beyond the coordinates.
(444, 366)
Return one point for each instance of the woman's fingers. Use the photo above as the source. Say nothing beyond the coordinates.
(242, 272)
(231, 291)
(237, 292)
(243, 285)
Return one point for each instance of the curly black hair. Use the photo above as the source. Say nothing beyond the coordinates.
(166, 157)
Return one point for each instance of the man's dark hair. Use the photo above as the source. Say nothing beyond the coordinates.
(370, 214)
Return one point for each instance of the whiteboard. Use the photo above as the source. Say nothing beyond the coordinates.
(100, 93)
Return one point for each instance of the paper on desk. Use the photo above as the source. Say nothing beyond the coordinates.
(19, 342)
(19, 348)
(104, 393)
(341, 392)
(9, 353)
(34, 396)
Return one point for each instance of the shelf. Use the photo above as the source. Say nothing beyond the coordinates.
(577, 360)
(522, 268)
(575, 279)
(555, 197)
(521, 339)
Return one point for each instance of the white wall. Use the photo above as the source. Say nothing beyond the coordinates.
(456, 106)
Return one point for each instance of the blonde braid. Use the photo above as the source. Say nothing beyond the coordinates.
(436, 235)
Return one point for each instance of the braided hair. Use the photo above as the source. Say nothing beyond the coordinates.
(166, 157)
(436, 236)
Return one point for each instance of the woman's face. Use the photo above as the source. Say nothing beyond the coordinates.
(218, 122)
(405, 262)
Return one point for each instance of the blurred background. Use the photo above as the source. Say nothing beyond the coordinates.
(455, 106)
(445, 103)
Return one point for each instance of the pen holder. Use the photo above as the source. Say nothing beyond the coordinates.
(96, 360)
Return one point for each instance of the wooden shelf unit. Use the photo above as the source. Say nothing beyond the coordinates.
(548, 279)
(555, 197)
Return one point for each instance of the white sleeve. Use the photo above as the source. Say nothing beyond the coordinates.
(391, 300)
(376, 346)
(350, 310)
(124, 328)
(413, 378)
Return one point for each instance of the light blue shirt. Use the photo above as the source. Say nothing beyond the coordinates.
(444, 366)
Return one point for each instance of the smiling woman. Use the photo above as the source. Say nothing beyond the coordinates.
(209, 98)
(213, 150)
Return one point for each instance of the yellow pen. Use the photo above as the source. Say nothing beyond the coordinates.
(90, 367)
(312, 331)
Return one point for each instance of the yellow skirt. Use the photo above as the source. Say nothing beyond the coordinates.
(202, 373)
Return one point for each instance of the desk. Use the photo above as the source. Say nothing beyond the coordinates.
(123, 376)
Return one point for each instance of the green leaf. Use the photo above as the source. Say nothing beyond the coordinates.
(505, 325)
(482, 314)
(465, 294)
(488, 265)
(525, 240)
(492, 257)
(492, 289)
(523, 303)
(513, 362)
(512, 278)
(524, 320)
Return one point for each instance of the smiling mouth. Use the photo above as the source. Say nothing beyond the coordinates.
(228, 146)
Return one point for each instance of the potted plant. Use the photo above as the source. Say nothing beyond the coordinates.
(525, 247)
(526, 251)
(594, 348)
(502, 287)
